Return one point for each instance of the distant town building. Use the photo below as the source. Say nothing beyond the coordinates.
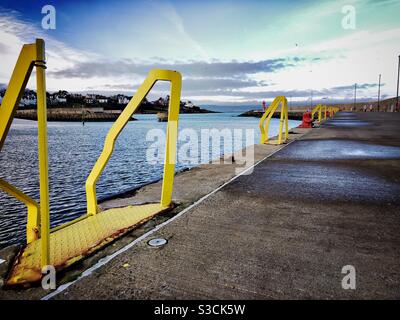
(95, 103)
(101, 99)
(25, 102)
(90, 99)
(58, 98)
(75, 95)
(121, 99)
(95, 99)
(28, 99)
(189, 104)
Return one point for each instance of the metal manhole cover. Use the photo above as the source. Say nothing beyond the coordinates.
(157, 242)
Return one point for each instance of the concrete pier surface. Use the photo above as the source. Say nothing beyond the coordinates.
(327, 200)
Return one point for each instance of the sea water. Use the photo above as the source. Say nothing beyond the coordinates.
(73, 150)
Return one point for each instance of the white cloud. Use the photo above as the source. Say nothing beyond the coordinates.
(14, 33)
(357, 57)
(166, 10)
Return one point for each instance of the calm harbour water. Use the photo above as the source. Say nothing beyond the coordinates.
(73, 150)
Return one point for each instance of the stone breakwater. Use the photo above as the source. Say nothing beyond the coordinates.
(293, 115)
(92, 114)
(71, 115)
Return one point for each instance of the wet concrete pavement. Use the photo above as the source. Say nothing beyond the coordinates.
(328, 200)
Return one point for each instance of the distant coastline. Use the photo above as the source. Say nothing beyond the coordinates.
(96, 114)
(65, 106)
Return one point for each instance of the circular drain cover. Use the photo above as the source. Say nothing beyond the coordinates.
(157, 242)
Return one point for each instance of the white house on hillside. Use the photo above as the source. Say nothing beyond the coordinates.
(122, 99)
(90, 98)
(28, 99)
(102, 99)
(189, 104)
(59, 97)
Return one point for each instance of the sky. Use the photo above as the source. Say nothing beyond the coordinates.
(229, 52)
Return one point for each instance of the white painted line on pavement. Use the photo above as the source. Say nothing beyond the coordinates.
(107, 259)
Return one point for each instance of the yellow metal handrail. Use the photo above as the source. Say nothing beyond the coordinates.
(38, 226)
(318, 109)
(172, 131)
(33, 221)
(31, 55)
(333, 110)
(284, 119)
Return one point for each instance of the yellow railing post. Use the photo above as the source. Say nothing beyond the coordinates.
(172, 137)
(287, 120)
(43, 157)
(318, 109)
(170, 154)
(15, 89)
(319, 113)
(313, 111)
(264, 128)
(283, 124)
(282, 118)
(31, 55)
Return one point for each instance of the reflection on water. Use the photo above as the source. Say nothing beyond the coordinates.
(73, 150)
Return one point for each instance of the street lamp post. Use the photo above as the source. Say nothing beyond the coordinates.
(379, 91)
(397, 95)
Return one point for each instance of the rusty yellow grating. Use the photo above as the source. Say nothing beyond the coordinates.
(78, 240)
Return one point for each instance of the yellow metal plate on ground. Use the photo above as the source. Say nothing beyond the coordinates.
(80, 239)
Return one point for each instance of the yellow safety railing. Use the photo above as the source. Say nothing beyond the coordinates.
(31, 55)
(316, 109)
(171, 138)
(266, 118)
(319, 107)
(333, 110)
(38, 225)
(33, 221)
